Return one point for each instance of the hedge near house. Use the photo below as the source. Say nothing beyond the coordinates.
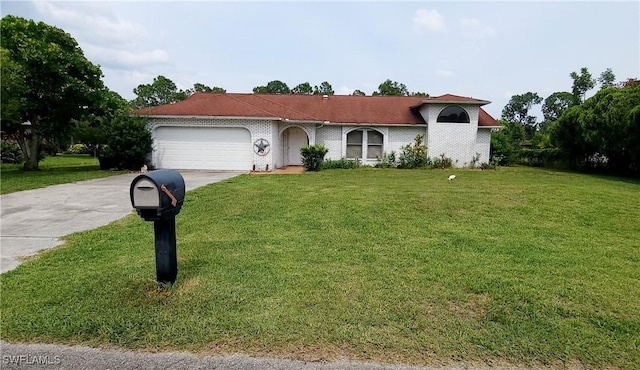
(312, 156)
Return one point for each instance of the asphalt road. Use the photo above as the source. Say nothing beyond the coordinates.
(49, 356)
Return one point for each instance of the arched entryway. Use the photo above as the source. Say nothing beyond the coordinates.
(293, 138)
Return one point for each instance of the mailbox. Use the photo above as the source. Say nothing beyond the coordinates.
(158, 196)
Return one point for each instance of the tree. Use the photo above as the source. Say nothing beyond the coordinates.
(391, 88)
(555, 104)
(49, 83)
(357, 92)
(418, 93)
(581, 83)
(11, 90)
(324, 89)
(260, 90)
(161, 91)
(630, 82)
(198, 87)
(91, 130)
(273, 87)
(603, 132)
(303, 89)
(127, 145)
(502, 148)
(517, 111)
(607, 78)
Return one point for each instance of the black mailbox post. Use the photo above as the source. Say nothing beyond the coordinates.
(158, 196)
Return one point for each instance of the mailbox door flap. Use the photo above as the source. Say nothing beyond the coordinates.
(146, 194)
(174, 201)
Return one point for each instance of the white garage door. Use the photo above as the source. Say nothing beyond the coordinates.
(203, 148)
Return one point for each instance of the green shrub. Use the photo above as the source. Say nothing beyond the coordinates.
(502, 149)
(442, 162)
(342, 163)
(414, 156)
(387, 161)
(127, 145)
(79, 149)
(548, 157)
(474, 161)
(11, 152)
(312, 156)
(487, 166)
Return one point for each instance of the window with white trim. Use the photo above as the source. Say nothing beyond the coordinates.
(455, 114)
(364, 143)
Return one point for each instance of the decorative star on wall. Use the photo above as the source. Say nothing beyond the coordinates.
(261, 147)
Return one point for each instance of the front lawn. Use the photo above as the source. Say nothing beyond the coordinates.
(59, 169)
(515, 266)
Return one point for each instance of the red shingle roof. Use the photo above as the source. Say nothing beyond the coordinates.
(334, 108)
(449, 98)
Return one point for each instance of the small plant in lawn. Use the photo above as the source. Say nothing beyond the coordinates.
(387, 161)
(312, 156)
(488, 166)
(11, 153)
(474, 161)
(442, 162)
(79, 149)
(342, 163)
(414, 156)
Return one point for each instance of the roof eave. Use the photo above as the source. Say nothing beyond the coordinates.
(375, 124)
(478, 102)
(191, 116)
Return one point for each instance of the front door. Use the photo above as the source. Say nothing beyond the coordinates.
(297, 139)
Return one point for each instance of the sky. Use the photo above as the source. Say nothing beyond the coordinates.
(480, 49)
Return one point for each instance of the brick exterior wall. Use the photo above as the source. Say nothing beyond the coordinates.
(260, 129)
(459, 141)
(331, 138)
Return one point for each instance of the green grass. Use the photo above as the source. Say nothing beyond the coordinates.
(517, 266)
(59, 169)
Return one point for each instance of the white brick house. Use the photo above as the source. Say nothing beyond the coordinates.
(265, 132)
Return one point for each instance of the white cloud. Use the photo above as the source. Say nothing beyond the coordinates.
(124, 81)
(92, 22)
(472, 28)
(121, 58)
(444, 73)
(430, 20)
(106, 39)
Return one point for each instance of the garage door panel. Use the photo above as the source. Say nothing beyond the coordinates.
(217, 148)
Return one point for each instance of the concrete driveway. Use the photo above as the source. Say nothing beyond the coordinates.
(33, 220)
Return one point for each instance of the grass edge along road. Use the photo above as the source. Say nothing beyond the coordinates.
(520, 266)
(54, 170)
